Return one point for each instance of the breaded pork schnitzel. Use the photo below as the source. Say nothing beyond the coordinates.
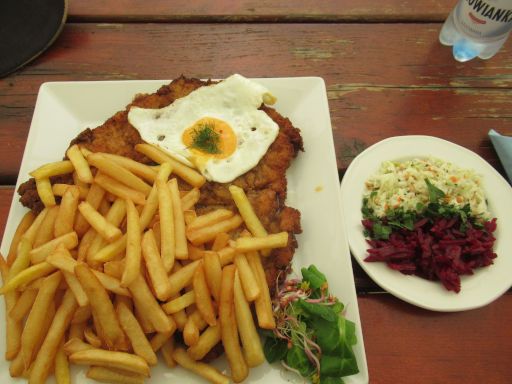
(265, 184)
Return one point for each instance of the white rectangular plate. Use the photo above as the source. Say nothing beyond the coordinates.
(65, 109)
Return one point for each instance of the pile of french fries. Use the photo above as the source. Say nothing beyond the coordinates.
(124, 268)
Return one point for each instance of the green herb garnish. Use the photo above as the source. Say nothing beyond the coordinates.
(312, 338)
(206, 139)
(434, 193)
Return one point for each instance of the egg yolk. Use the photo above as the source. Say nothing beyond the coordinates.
(209, 138)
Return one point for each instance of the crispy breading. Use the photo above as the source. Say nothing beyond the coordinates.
(265, 184)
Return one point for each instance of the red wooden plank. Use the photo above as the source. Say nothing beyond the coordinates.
(259, 10)
(5, 204)
(405, 344)
(376, 90)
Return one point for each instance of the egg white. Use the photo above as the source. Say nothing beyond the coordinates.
(235, 100)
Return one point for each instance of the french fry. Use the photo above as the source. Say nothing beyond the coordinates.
(190, 332)
(179, 221)
(155, 266)
(253, 351)
(133, 245)
(159, 339)
(111, 359)
(228, 326)
(180, 279)
(62, 375)
(114, 268)
(102, 308)
(146, 326)
(198, 319)
(188, 174)
(158, 235)
(44, 190)
(115, 216)
(226, 255)
(85, 243)
(76, 330)
(39, 254)
(46, 355)
(274, 240)
(61, 258)
(46, 230)
(94, 198)
(67, 210)
(118, 189)
(151, 206)
(244, 206)
(213, 273)
(27, 275)
(111, 283)
(165, 211)
(80, 184)
(118, 172)
(148, 307)
(91, 337)
(111, 250)
(107, 230)
(33, 333)
(189, 215)
(206, 371)
(23, 226)
(205, 234)
(263, 303)
(202, 296)
(148, 211)
(179, 303)
(249, 283)
(23, 304)
(190, 199)
(31, 233)
(115, 376)
(207, 340)
(75, 287)
(74, 345)
(13, 328)
(195, 253)
(220, 241)
(167, 351)
(59, 190)
(135, 334)
(52, 169)
(17, 367)
(81, 315)
(80, 164)
(139, 169)
(210, 219)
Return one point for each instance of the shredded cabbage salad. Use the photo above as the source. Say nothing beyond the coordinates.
(402, 184)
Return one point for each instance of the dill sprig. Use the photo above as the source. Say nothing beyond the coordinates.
(206, 139)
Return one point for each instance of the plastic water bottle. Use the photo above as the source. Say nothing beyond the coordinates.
(477, 28)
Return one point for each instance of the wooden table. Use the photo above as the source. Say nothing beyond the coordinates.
(386, 75)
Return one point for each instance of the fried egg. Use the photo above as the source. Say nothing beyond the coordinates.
(217, 128)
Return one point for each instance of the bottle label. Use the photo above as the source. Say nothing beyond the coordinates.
(484, 19)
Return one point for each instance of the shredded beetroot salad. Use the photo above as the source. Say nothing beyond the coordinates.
(436, 249)
(429, 218)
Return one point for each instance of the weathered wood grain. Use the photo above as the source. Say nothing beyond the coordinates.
(259, 10)
(5, 203)
(375, 90)
(406, 344)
